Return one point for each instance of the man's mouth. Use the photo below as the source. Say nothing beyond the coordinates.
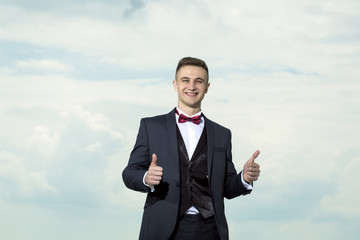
(191, 94)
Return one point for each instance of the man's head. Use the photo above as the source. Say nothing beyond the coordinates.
(191, 84)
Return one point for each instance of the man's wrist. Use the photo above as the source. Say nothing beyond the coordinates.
(247, 185)
(152, 188)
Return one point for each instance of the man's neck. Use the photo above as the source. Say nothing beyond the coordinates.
(189, 111)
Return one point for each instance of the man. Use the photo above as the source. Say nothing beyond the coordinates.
(183, 161)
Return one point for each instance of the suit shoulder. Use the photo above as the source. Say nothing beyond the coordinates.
(155, 118)
(218, 126)
(159, 119)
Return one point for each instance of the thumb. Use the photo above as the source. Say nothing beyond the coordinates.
(254, 156)
(154, 160)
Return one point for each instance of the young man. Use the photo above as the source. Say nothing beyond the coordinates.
(183, 161)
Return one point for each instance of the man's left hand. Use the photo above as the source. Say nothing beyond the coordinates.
(251, 171)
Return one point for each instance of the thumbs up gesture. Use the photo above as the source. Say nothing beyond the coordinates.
(155, 172)
(251, 171)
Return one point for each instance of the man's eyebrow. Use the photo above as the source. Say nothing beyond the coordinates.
(186, 78)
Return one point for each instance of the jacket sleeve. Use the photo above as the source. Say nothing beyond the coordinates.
(139, 161)
(233, 183)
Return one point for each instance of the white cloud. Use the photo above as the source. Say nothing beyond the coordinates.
(290, 35)
(96, 122)
(44, 65)
(344, 201)
(21, 182)
(291, 229)
(43, 140)
(94, 147)
(6, 71)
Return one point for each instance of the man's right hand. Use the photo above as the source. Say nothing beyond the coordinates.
(155, 172)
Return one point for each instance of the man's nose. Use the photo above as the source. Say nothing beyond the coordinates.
(192, 86)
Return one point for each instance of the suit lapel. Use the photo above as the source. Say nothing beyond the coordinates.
(210, 145)
(171, 129)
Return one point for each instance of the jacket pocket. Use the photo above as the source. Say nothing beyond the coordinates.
(150, 199)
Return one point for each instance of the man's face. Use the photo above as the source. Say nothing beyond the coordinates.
(191, 84)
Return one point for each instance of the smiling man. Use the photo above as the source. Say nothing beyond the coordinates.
(183, 161)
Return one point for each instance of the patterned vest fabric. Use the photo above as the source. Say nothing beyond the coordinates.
(194, 178)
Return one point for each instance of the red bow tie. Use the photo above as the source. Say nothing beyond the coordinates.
(183, 118)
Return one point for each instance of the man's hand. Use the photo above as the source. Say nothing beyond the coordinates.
(155, 172)
(251, 171)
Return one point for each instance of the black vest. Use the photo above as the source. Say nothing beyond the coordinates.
(194, 178)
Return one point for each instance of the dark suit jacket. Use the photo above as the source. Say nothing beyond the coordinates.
(158, 135)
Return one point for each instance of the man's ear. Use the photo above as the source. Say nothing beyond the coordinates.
(175, 83)
(207, 88)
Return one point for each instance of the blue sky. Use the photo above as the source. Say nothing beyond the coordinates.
(77, 77)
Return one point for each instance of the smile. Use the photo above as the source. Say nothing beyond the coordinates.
(191, 94)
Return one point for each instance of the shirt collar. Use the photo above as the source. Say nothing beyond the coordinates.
(181, 112)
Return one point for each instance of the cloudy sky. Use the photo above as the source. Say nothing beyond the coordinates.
(76, 77)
